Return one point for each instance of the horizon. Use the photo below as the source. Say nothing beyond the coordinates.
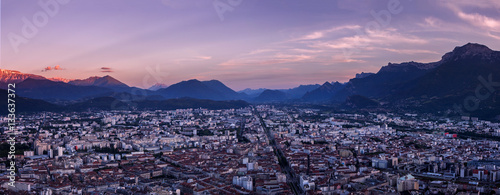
(272, 45)
(56, 78)
(61, 79)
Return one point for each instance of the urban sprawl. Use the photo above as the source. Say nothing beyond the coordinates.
(261, 149)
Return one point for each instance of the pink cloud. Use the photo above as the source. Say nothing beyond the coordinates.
(106, 69)
(49, 68)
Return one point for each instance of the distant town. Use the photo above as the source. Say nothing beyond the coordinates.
(259, 149)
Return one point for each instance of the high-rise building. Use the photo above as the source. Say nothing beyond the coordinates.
(60, 151)
(394, 161)
(243, 181)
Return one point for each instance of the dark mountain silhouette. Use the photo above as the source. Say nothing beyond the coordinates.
(101, 103)
(451, 84)
(269, 95)
(213, 90)
(110, 103)
(183, 103)
(23, 104)
(56, 91)
(363, 75)
(359, 102)
(458, 73)
(323, 93)
(387, 81)
(105, 81)
(292, 93)
(301, 90)
(219, 86)
(253, 92)
(131, 95)
(28, 105)
(470, 71)
(414, 78)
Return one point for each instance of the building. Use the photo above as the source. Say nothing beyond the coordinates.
(406, 183)
(305, 184)
(243, 181)
(378, 163)
(29, 153)
(59, 151)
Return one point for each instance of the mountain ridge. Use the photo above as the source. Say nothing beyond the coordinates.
(14, 76)
(105, 81)
(430, 86)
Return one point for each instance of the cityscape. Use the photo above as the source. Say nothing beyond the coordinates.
(181, 97)
(261, 149)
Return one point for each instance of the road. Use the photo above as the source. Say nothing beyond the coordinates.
(292, 179)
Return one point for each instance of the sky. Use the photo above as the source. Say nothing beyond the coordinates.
(243, 43)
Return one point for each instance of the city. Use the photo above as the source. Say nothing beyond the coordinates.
(262, 149)
(280, 97)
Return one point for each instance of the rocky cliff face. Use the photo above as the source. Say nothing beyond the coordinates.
(12, 76)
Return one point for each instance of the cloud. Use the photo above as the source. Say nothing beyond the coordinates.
(269, 60)
(435, 24)
(495, 35)
(488, 25)
(299, 50)
(204, 57)
(432, 22)
(404, 51)
(49, 68)
(261, 51)
(483, 4)
(106, 69)
(314, 35)
(341, 42)
(353, 45)
(323, 33)
(480, 20)
(343, 59)
(193, 59)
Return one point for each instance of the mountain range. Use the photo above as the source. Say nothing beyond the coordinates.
(288, 94)
(213, 89)
(462, 82)
(468, 71)
(60, 90)
(323, 93)
(106, 81)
